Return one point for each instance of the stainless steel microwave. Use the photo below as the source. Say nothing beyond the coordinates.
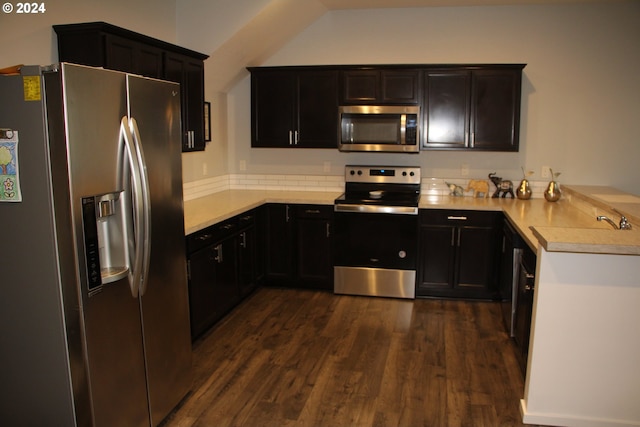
(379, 128)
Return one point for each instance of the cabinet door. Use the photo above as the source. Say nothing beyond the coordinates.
(436, 260)
(202, 295)
(226, 290)
(317, 109)
(189, 72)
(247, 261)
(458, 254)
(314, 265)
(495, 105)
(130, 56)
(360, 86)
(389, 87)
(400, 87)
(447, 107)
(278, 244)
(477, 256)
(273, 108)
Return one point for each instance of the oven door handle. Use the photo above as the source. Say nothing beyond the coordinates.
(376, 209)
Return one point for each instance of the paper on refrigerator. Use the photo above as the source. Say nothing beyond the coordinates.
(9, 175)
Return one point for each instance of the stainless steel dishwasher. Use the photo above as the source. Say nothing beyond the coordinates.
(524, 305)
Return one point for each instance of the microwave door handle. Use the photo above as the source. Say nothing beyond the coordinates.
(403, 129)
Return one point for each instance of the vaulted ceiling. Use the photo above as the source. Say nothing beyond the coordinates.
(273, 27)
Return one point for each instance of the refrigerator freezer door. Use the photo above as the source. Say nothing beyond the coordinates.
(94, 103)
(164, 296)
(34, 361)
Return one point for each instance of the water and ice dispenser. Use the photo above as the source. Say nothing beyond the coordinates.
(106, 247)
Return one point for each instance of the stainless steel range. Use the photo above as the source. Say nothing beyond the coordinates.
(376, 228)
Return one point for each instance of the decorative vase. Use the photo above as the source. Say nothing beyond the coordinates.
(552, 193)
(523, 191)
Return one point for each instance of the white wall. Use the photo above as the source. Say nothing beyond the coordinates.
(584, 348)
(29, 38)
(580, 87)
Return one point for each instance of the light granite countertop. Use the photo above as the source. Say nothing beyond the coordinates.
(568, 225)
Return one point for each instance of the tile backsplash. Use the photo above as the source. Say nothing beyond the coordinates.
(331, 183)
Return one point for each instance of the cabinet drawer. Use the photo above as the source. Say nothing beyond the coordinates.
(216, 232)
(459, 217)
(314, 211)
(246, 219)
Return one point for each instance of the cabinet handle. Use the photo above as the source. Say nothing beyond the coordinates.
(243, 242)
(290, 137)
(328, 230)
(204, 237)
(473, 139)
(287, 213)
(296, 137)
(190, 139)
(453, 237)
(218, 256)
(457, 218)
(312, 211)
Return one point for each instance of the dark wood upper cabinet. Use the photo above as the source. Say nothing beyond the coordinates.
(294, 108)
(99, 44)
(379, 86)
(495, 106)
(189, 72)
(463, 107)
(474, 108)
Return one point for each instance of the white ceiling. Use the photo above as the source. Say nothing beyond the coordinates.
(378, 4)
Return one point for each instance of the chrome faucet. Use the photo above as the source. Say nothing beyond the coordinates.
(624, 222)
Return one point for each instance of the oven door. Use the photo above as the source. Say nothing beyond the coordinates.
(375, 254)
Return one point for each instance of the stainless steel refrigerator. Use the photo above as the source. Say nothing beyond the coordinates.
(94, 315)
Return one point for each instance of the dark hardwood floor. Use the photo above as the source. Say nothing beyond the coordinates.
(289, 357)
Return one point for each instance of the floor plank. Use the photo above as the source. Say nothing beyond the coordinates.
(288, 357)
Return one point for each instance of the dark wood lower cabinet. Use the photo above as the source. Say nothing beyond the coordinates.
(290, 245)
(459, 254)
(298, 245)
(222, 269)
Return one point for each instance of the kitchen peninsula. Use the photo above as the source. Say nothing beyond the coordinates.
(584, 348)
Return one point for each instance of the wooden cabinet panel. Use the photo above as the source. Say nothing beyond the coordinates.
(446, 109)
(361, 87)
(318, 109)
(379, 86)
(273, 96)
(189, 72)
(459, 253)
(127, 55)
(313, 246)
(222, 269)
(99, 44)
(477, 108)
(294, 108)
(495, 102)
(298, 246)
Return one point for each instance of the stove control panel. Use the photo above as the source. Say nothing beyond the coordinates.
(383, 174)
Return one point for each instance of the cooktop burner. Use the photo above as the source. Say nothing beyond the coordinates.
(381, 185)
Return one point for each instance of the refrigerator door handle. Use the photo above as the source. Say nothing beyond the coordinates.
(130, 175)
(144, 244)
